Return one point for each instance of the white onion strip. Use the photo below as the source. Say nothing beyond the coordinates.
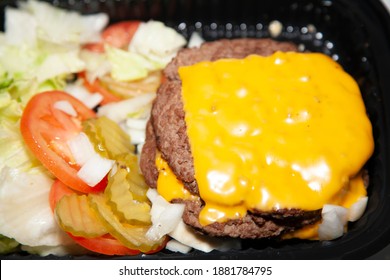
(334, 220)
(81, 148)
(66, 107)
(93, 166)
(357, 209)
(95, 169)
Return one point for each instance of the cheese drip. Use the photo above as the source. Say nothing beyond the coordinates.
(283, 131)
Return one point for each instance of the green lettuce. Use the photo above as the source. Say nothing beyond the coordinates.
(38, 50)
(14, 95)
(128, 66)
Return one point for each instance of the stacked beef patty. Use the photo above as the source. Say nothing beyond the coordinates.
(166, 132)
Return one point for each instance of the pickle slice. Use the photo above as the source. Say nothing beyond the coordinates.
(75, 215)
(90, 129)
(121, 199)
(107, 137)
(115, 140)
(132, 236)
(137, 184)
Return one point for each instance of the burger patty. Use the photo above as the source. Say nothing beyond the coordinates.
(256, 224)
(168, 114)
(166, 132)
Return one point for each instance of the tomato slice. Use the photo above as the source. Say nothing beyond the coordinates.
(94, 47)
(106, 245)
(120, 34)
(46, 131)
(57, 191)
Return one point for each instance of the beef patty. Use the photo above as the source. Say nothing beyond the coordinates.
(166, 132)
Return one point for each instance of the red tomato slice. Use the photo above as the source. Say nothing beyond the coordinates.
(46, 131)
(106, 245)
(94, 47)
(57, 191)
(119, 34)
(108, 97)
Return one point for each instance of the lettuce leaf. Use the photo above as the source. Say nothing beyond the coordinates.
(152, 48)
(43, 42)
(156, 42)
(38, 50)
(40, 63)
(25, 213)
(52, 24)
(128, 66)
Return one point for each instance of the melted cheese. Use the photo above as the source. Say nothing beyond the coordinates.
(168, 186)
(284, 131)
(346, 197)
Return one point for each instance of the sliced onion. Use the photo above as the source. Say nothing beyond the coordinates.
(170, 222)
(195, 40)
(165, 215)
(187, 236)
(81, 148)
(134, 123)
(334, 219)
(175, 246)
(91, 100)
(137, 136)
(139, 148)
(95, 169)
(119, 111)
(357, 209)
(66, 107)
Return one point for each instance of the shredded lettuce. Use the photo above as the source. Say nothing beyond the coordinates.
(56, 25)
(21, 27)
(96, 64)
(38, 50)
(40, 63)
(152, 48)
(25, 213)
(127, 66)
(42, 42)
(5, 82)
(156, 42)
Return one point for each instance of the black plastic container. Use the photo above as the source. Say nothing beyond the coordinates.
(355, 33)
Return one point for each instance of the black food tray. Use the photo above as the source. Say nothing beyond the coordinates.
(355, 33)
